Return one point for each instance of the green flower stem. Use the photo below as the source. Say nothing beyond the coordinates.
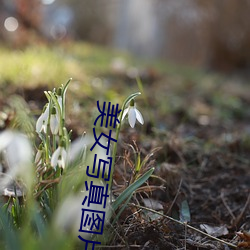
(54, 142)
(46, 150)
(61, 114)
(53, 97)
(117, 135)
(145, 98)
(47, 137)
(66, 137)
(65, 87)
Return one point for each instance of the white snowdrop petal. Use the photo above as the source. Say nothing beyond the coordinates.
(38, 156)
(19, 151)
(18, 156)
(59, 99)
(55, 156)
(54, 124)
(61, 163)
(132, 117)
(5, 138)
(139, 116)
(63, 158)
(125, 113)
(46, 113)
(64, 153)
(68, 213)
(78, 148)
(44, 127)
(39, 123)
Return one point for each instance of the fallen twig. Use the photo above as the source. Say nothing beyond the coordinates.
(239, 217)
(184, 224)
(120, 246)
(226, 205)
(174, 200)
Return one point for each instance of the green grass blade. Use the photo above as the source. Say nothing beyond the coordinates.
(128, 191)
(40, 225)
(10, 236)
(122, 209)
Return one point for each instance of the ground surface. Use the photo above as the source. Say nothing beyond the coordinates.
(198, 126)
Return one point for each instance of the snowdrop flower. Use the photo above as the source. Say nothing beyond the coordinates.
(39, 154)
(77, 149)
(59, 157)
(17, 152)
(54, 121)
(77, 152)
(42, 122)
(69, 213)
(59, 97)
(133, 114)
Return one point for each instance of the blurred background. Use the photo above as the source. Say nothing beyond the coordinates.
(193, 60)
(211, 34)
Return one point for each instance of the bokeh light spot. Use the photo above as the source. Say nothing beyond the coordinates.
(11, 24)
(58, 31)
(47, 2)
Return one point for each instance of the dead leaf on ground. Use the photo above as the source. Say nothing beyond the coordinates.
(245, 236)
(215, 231)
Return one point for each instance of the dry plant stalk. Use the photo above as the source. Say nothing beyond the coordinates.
(184, 224)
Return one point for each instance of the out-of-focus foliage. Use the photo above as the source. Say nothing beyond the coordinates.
(213, 34)
(208, 33)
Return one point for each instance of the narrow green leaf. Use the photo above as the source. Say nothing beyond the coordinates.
(128, 191)
(39, 222)
(122, 209)
(138, 163)
(47, 95)
(129, 98)
(65, 87)
(185, 212)
(10, 236)
(140, 86)
(53, 97)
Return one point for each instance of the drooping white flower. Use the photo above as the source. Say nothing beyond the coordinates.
(42, 122)
(77, 149)
(17, 151)
(39, 154)
(133, 114)
(59, 157)
(54, 121)
(17, 148)
(59, 97)
(68, 214)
